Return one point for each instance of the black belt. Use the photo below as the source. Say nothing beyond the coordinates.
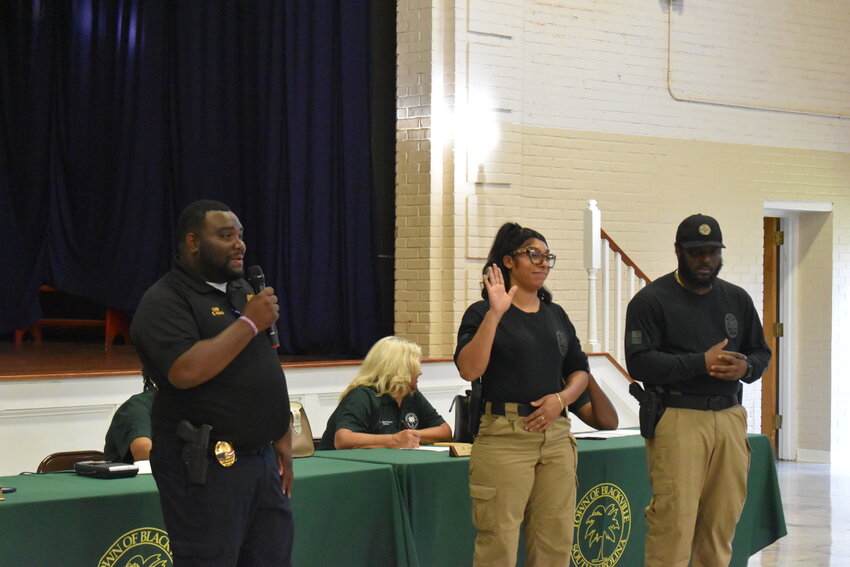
(165, 438)
(498, 408)
(705, 403)
(522, 410)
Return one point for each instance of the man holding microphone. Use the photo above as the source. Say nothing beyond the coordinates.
(222, 448)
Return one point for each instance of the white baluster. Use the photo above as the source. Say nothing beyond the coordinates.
(592, 229)
(606, 297)
(619, 299)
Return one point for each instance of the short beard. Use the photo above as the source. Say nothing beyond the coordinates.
(221, 273)
(693, 280)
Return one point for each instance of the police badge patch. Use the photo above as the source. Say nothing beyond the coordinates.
(411, 421)
(731, 325)
(563, 343)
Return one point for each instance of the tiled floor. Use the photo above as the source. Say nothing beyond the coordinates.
(816, 500)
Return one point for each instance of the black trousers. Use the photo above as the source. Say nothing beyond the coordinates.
(239, 518)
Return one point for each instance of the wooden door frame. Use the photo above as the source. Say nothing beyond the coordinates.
(771, 315)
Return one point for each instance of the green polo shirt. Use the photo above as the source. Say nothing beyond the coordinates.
(131, 420)
(362, 410)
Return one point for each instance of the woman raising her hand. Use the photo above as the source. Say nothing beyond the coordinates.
(525, 350)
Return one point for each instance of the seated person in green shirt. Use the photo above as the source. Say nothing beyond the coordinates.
(129, 436)
(382, 407)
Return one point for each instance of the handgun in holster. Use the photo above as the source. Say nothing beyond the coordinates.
(194, 452)
(476, 407)
(651, 408)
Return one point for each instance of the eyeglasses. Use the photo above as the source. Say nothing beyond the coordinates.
(536, 256)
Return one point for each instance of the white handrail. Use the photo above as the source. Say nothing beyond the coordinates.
(598, 247)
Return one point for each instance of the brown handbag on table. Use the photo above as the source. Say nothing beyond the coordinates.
(302, 435)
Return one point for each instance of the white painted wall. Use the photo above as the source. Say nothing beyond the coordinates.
(39, 417)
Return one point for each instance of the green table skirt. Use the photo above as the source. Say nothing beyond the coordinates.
(611, 472)
(343, 511)
(368, 507)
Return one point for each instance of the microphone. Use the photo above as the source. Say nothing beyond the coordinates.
(258, 282)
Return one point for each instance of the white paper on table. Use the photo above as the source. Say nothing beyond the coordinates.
(606, 434)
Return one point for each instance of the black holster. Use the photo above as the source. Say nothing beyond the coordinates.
(476, 408)
(651, 408)
(196, 440)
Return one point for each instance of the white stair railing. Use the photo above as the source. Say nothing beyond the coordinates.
(602, 253)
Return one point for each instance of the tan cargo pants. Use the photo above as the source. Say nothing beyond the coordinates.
(698, 463)
(515, 476)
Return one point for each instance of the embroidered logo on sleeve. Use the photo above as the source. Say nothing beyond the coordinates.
(216, 311)
(635, 337)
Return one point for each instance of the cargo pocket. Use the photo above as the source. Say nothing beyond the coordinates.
(483, 502)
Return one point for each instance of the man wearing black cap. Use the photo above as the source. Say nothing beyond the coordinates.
(692, 338)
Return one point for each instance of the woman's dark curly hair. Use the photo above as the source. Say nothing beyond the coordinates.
(511, 236)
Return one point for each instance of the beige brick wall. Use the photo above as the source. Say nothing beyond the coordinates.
(413, 311)
(522, 110)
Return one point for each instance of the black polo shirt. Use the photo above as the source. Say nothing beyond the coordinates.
(247, 403)
(362, 410)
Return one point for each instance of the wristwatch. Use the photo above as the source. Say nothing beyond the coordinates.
(749, 373)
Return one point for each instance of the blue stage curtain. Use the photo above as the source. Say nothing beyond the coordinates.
(115, 115)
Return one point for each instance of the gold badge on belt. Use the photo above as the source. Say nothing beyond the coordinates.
(225, 454)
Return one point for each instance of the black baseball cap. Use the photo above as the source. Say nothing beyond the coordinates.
(699, 230)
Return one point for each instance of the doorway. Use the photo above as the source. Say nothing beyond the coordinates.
(799, 227)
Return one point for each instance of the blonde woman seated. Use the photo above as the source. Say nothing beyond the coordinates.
(382, 407)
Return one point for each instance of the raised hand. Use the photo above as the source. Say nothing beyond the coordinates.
(500, 300)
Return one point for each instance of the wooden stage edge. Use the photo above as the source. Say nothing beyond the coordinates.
(59, 360)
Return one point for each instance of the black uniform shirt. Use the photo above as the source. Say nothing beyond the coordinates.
(247, 403)
(362, 410)
(669, 328)
(532, 353)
